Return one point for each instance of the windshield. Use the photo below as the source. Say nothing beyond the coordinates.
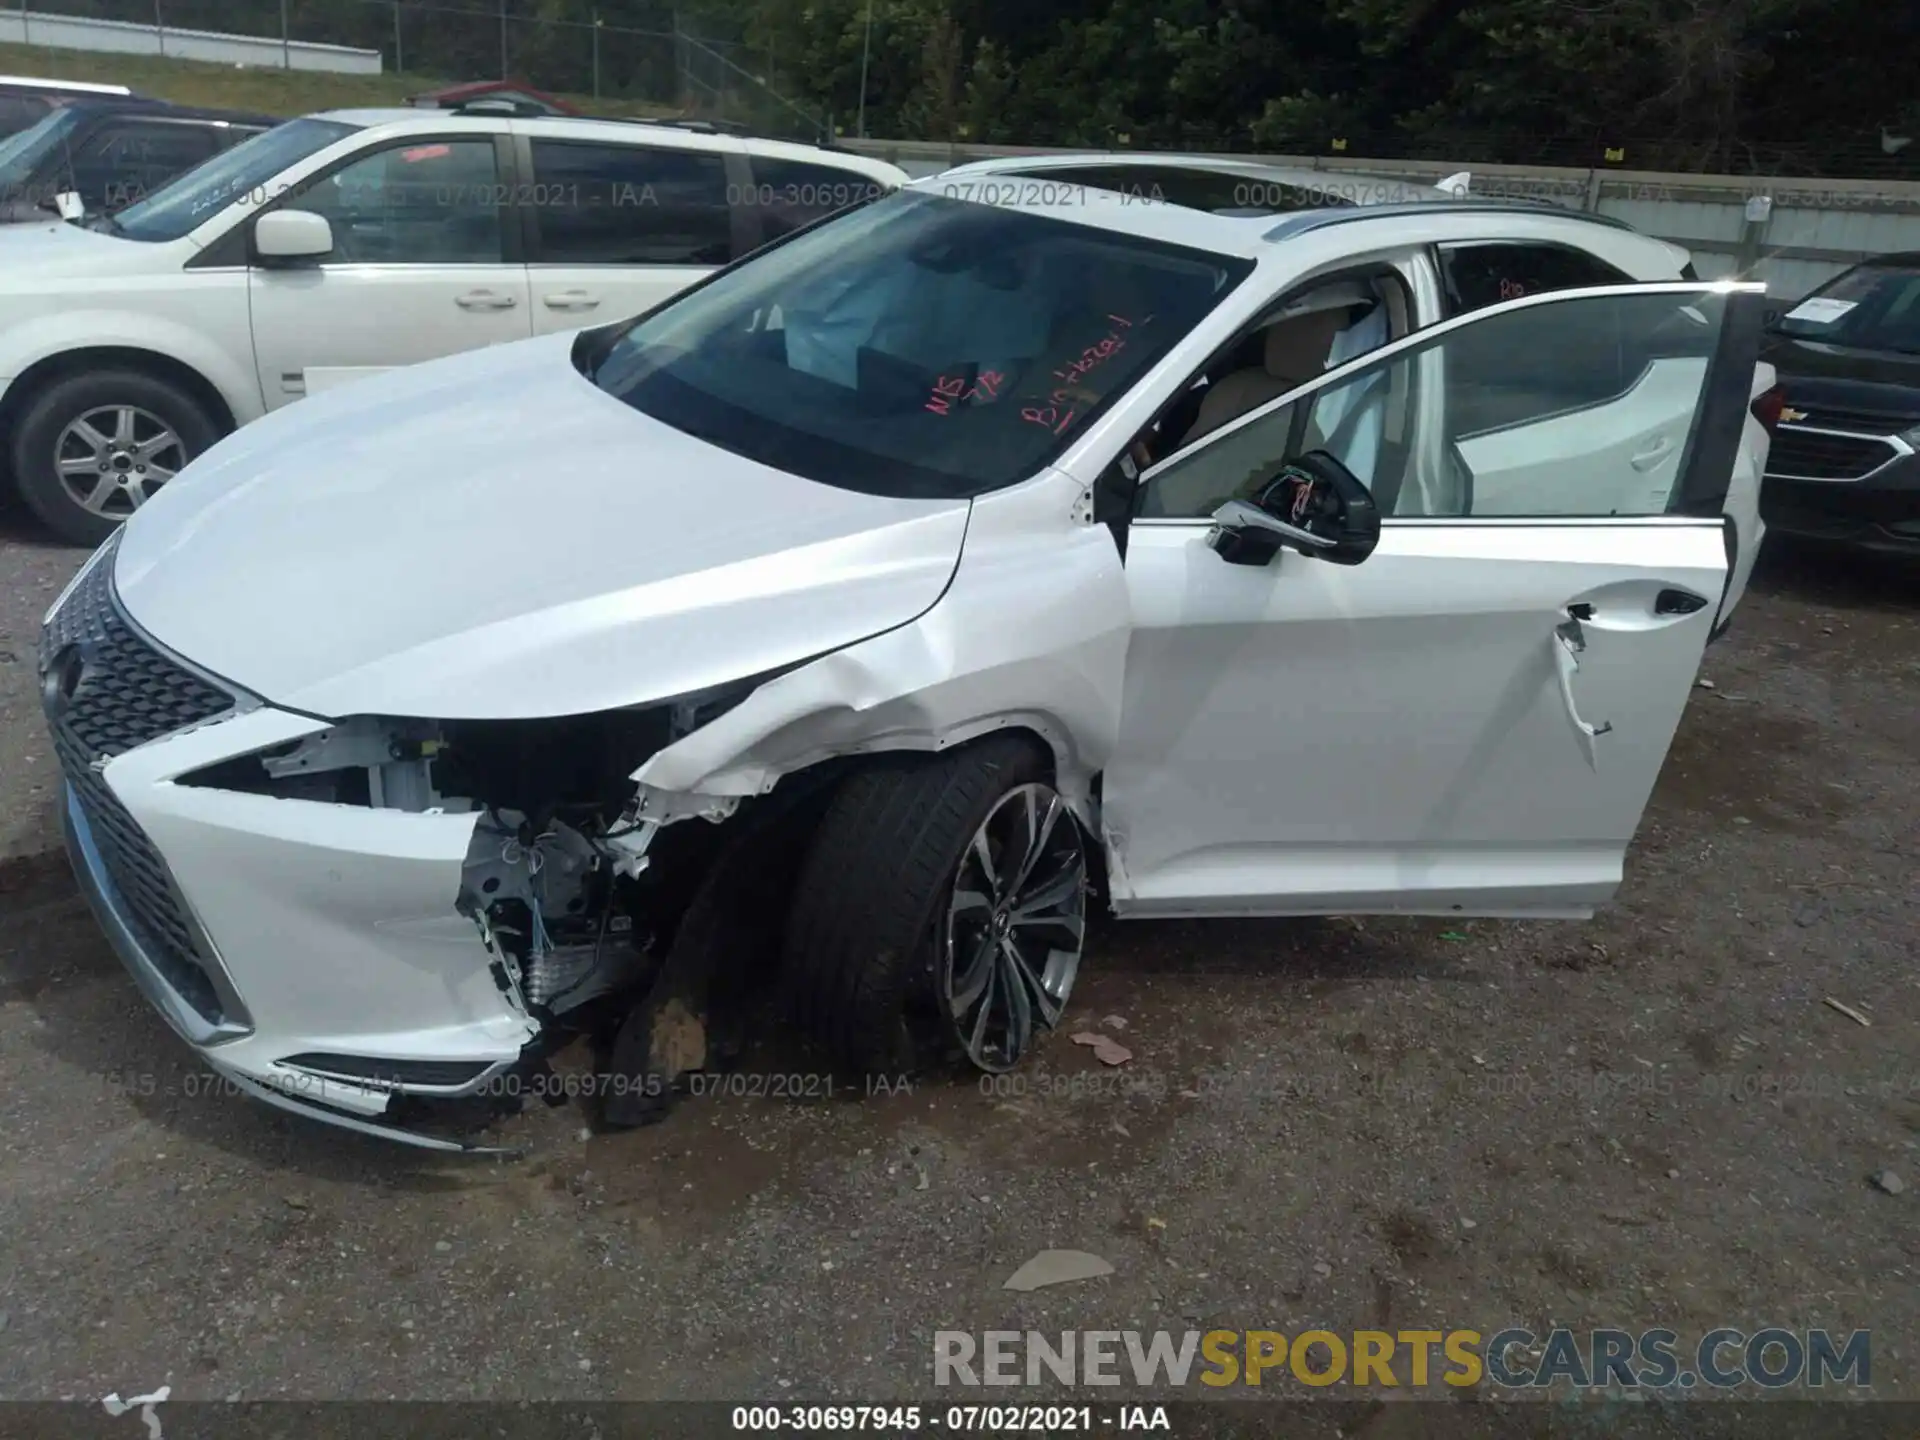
(1872, 307)
(22, 154)
(247, 171)
(918, 346)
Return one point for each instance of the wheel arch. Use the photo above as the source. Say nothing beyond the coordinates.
(31, 382)
(816, 738)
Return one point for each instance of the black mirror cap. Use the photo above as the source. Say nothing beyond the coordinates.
(1352, 522)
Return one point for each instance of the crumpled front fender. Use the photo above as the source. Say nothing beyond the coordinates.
(1032, 633)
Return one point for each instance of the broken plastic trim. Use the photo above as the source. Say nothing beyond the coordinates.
(407, 763)
(329, 1115)
(401, 1074)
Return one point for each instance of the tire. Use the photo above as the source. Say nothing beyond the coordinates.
(42, 438)
(870, 955)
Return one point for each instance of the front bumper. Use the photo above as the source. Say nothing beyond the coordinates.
(1880, 511)
(280, 1086)
(331, 928)
(309, 952)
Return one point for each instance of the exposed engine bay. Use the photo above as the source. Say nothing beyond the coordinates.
(574, 895)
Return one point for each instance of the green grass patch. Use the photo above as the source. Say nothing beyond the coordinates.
(237, 87)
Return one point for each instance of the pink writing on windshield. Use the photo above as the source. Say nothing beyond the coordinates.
(948, 389)
(1048, 416)
(1097, 353)
(1070, 375)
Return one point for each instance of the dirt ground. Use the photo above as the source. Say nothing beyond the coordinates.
(1651, 1119)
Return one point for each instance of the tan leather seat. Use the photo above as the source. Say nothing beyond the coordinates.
(1294, 352)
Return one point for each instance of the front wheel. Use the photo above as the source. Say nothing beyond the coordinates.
(941, 911)
(93, 447)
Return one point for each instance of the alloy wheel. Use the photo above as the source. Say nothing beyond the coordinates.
(1015, 927)
(113, 457)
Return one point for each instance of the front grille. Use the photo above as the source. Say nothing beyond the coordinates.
(432, 1074)
(1810, 455)
(1867, 422)
(128, 693)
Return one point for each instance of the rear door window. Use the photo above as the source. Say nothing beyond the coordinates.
(630, 205)
(791, 193)
(1475, 276)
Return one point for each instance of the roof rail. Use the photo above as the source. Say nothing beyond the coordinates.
(692, 126)
(79, 87)
(498, 105)
(1305, 220)
(669, 122)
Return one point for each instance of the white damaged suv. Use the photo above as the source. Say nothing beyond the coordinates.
(838, 629)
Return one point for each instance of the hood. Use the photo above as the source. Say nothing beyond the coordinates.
(1876, 369)
(491, 536)
(25, 212)
(45, 247)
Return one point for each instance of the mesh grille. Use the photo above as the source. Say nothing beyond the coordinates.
(1825, 457)
(129, 693)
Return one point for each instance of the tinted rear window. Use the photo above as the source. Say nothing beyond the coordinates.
(630, 205)
(1476, 276)
(792, 193)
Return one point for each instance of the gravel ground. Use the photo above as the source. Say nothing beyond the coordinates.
(1651, 1119)
(32, 570)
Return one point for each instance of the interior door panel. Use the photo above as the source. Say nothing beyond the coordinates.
(1621, 457)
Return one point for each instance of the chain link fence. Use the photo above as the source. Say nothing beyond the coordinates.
(664, 58)
(674, 64)
(1891, 156)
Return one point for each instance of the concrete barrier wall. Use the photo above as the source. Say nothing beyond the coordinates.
(69, 32)
(1811, 231)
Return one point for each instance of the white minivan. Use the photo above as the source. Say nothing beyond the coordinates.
(343, 244)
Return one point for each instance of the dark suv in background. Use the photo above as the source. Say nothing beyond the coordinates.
(111, 152)
(24, 101)
(1845, 462)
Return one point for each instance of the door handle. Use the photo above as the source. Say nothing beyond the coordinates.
(1569, 641)
(1652, 455)
(1678, 602)
(485, 300)
(570, 300)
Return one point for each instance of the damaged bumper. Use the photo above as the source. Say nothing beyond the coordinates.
(324, 959)
(310, 953)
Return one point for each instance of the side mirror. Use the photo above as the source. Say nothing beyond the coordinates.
(287, 236)
(1315, 505)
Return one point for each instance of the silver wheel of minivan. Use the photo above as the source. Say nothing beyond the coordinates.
(93, 446)
(112, 459)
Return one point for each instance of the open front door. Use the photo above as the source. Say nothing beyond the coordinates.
(1471, 720)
